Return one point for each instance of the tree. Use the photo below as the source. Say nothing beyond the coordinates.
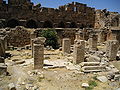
(51, 38)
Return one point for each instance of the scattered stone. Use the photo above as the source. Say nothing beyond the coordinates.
(102, 78)
(94, 58)
(19, 62)
(11, 86)
(117, 89)
(29, 86)
(85, 85)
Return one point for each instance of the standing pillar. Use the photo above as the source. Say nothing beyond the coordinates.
(77, 36)
(79, 51)
(38, 52)
(112, 49)
(32, 40)
(66, 44)
(32, 36)
(2, 47)
(38, 56)
(93, 42)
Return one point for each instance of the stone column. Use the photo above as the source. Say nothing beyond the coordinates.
(66, 44)
(32, 37)
(2, 47)
(38, 56)
(77, 36)
(81, 35)
(93, 42)
(38, 52)
(32, 40)
(112, 49)
(79, 51)
(102, 36)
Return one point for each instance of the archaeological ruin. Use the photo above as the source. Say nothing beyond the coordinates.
(73, 47)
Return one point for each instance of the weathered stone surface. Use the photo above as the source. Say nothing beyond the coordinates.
(93, 58)
(79, 51)
(3, 68)
(102, 36)
(102, 78)
(90, 63)
(19, 37)
(112, 49)
(1, 59)
(66, 44)
(39, 40)
(2, 47)
(11, 86)
(38, 16)
(38, 56)
(93, 42)
(85, 85)
(38, 52)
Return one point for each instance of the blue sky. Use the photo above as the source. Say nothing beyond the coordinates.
(111, 5)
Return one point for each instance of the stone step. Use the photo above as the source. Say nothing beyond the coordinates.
(93, 67)
(87, 71)
(90, 63)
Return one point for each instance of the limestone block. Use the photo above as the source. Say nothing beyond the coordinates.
(66, 44)
(38, 56)
(112, 49)
(93, 42)
(79, 52)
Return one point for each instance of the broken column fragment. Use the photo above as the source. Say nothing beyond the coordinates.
(38, 50)
(93, 42)
(79, 51)
(66, 44)
(79, 35)
(112, 49)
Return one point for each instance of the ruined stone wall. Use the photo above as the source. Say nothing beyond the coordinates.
(18, 37)
(106, 19)
(73, 15)
(62, 33)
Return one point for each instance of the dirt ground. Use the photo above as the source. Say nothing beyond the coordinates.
(26, 78)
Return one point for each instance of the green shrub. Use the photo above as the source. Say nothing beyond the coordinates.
(92, 85)
(51, 38)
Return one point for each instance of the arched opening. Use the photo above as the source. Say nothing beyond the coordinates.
(31, 24)
(61, 25)
(73, 25)
(117, 22)
(82, 26)
(12, 23)
(47, 24)
(2, 23)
